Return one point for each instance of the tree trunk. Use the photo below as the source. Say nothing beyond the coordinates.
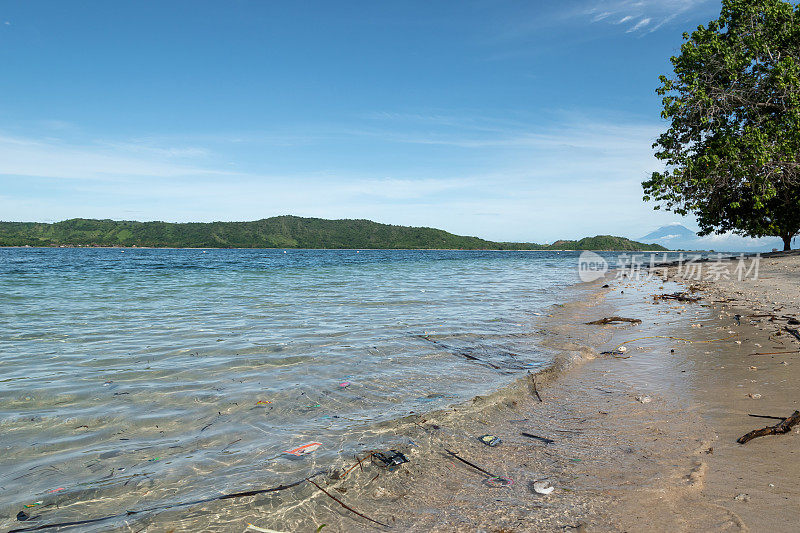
(787, 242)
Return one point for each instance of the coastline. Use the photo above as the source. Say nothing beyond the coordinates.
(639, 443)
(644, 443)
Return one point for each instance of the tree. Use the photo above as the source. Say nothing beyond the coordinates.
(732, 149)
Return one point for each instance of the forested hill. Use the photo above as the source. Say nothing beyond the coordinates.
(275, 232)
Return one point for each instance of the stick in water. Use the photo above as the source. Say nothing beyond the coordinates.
(340, 502)
(476, 467)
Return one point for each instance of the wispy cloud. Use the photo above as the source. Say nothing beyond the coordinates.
(528, 180)
(52, 158)
(639, 25)
(641, 15)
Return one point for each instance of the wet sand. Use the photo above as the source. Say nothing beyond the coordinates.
(642, 443)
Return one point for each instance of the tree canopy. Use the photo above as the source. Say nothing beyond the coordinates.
(732, 149)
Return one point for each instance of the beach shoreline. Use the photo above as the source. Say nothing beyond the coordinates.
(643, 441)
(636, 440)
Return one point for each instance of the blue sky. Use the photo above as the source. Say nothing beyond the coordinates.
(509, 120)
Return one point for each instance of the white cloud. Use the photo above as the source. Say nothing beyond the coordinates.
(516, 180)
(651, 14)
(639, 25)
(21, 156)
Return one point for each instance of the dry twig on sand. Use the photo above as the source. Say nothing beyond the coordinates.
(782, 427)
(678, 296)
(612, 319)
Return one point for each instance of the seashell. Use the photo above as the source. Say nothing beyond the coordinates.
(622, 349)
(542, 487)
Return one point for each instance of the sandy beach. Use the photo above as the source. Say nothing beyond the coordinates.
(644, 441)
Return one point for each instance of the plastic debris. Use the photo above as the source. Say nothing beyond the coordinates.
(390, 458)
(490, 440)
(344, 384)
(59, 489)
(622, 349)
(263, 402)
(34, 504)
(644, 399)
(304, 449)
(22, 516)
(542, 487)
(755, 396)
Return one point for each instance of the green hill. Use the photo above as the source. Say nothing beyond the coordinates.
(605, 242)
(276, 232)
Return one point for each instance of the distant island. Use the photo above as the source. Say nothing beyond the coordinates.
(276, 232)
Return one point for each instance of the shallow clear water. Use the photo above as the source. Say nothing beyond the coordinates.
(142, 378)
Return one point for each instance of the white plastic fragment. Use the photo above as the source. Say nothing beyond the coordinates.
(542, 487)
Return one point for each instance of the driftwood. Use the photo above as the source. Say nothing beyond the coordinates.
(233, 495)
(612, 319)
(678, 296)
(543, 439)
(782, 427)
(340, 502)
(532, 384)
(454, 455)
(768, 416)
(461, 353)
(793, 332)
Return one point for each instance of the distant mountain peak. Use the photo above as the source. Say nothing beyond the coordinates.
(670, 232)
(676, 236)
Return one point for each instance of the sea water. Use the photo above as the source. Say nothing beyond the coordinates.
(142, 378)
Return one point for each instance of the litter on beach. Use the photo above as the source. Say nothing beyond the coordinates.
(390, 458)
(542, 487)
(490, 440)
(305, 449)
